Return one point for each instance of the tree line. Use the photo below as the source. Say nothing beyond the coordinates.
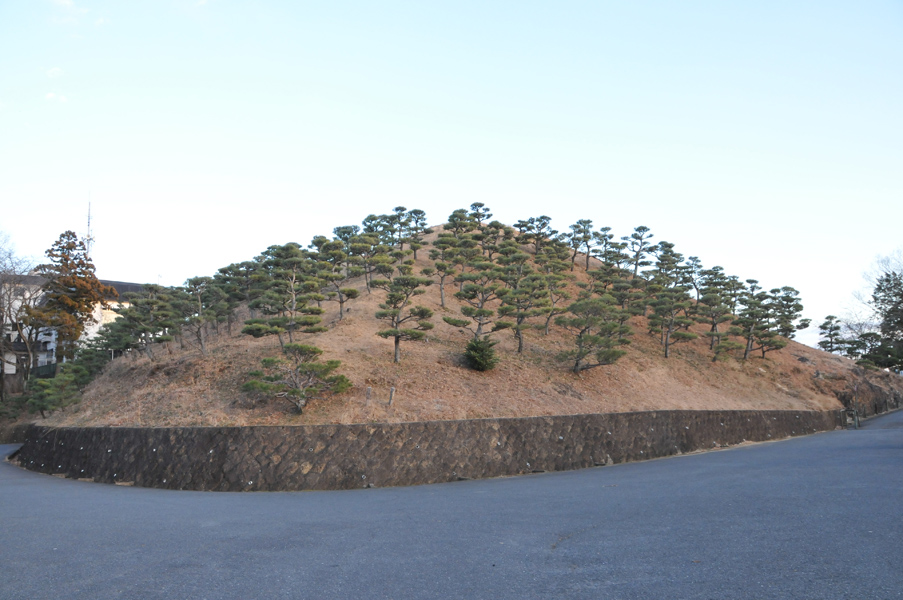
(875, 341)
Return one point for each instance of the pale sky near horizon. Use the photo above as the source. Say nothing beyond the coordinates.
(765, 137)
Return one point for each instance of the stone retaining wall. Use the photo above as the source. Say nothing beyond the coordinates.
(13, 434)
(873, 395)
(329, 457)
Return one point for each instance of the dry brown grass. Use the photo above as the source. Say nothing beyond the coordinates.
(184, 388)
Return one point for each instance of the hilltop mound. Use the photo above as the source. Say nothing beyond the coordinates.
(183, 387)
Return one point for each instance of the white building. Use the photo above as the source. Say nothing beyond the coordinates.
(17, 292)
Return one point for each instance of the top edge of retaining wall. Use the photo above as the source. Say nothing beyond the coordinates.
(480, 419)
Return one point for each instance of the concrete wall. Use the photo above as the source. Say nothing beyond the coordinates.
(324, 457)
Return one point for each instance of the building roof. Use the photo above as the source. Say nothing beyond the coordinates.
(122, 287)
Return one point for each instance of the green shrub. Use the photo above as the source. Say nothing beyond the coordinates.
(480, 355)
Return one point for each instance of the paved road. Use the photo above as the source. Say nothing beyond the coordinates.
(809, 518)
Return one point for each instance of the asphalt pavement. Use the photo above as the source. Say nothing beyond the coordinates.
(812, 517)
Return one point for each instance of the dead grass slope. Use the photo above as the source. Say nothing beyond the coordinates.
(182, 387)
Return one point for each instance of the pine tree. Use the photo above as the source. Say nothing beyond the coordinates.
(380, 226)
(417, 229)
(442, 255)
(481, 287)
(370, 255)
(148, 318)
(287, 282)
(613, 254)
(467, 253)
(336, 267)
(599, 327)
(638, 247)
(830, 331)
(692, 275)
(298, 376)
(460, 222)
(529, 299)
(197, 305)
(869, 348)
(48, 395)
(712, 308)
(602, 246)
(514, 264)
(752, 319)
(535, 230)
(786, 310)
(400, 291)
(670, 299)
(581, 237)
(238, 283)
(72, 293)
(113, 340)
(479, 212)
(733, 291)
(764, 315)
(491, 237)
(887, 302)
(552, 263)
(556, 296)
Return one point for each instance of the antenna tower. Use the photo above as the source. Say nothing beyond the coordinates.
(89, 237)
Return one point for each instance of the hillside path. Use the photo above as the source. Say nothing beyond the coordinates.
(812, 517)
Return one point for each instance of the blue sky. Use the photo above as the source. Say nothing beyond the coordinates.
(766, 137)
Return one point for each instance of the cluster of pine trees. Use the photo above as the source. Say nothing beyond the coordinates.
(875, 342)
(516, 279)
(509, 278)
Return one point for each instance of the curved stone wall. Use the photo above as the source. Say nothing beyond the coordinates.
(329, 457)
(13, 434)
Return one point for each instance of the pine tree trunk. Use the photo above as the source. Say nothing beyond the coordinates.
(397, 349)
(202, 339)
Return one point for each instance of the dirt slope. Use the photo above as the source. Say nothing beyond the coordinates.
(184, 388)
